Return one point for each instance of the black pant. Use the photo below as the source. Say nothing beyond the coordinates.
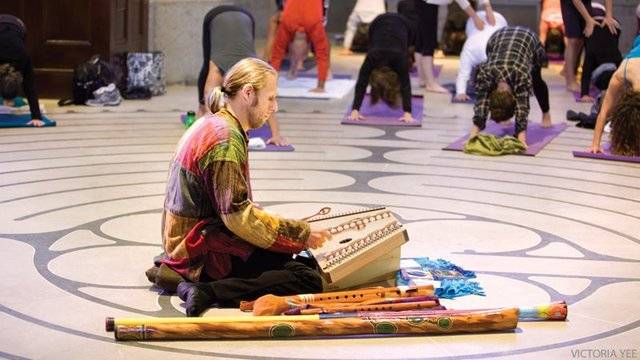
(427, 38)
(265, 272)
(540, 89)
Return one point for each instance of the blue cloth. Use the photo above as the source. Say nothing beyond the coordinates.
(635, 49)
(20, 120)
(454, 280)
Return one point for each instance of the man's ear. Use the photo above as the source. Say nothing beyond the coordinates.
(247, 91)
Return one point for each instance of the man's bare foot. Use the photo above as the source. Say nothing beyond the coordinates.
(546, 120)
(563, 71)
(346, 51)
(436, 88)
(573, 86)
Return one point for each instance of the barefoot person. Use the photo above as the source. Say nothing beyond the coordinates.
(474, 50)
(621, 105)
(503, 84)
(386, 67)
(303, 16)
(228, 36)
(16, 70)
(216, 240)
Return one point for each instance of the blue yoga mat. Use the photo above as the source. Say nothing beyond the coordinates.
(21, 120)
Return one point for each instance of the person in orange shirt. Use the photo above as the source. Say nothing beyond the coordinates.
(303, 16)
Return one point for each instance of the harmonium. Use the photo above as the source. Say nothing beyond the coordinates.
(364, 249)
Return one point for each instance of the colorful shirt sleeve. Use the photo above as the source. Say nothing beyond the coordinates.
(240, 215)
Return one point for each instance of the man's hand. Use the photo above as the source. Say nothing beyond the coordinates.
(278, 140)
(462, 97)
(590, 24)
(36, 122)
(474, 131)
(611, 23)
(355, 115)
(317, 90)
(586, 99)
(478, 22)
(317, 238)
(407, 117)
(522, 136)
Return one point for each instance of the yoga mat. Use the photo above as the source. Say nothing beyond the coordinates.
(382, 114)
(537, 136)
(264, 133)
(335, 88)
(21, 120)
(606, 155)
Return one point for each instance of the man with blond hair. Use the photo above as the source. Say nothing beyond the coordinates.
(223, 247)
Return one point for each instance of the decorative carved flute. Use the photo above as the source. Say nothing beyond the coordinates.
(249, 327)
(274, 305)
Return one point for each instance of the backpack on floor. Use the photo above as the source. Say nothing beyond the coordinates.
(146, 71)
(87, 78)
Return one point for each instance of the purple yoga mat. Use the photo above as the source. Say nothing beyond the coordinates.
(264, 132)
(382, 114)
(606, 155)
(537, 136)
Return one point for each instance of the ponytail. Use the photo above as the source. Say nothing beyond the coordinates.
(248, 71)
(216, 99)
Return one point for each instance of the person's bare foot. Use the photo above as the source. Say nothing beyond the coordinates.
(573, 87)
(546, 120)
(292, 75)
(435, 88)
(345, 51)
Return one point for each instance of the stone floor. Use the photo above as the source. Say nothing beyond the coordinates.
(81, 206)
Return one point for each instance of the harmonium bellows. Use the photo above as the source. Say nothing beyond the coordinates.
(358, 238)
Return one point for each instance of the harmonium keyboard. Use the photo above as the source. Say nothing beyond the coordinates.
(365, 245)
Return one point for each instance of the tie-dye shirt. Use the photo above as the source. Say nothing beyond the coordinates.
(208, 213)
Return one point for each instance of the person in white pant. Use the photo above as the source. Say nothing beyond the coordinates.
(474, 50)
(364, 12)
(427, 39)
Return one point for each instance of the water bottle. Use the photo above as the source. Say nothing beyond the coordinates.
(191, 118)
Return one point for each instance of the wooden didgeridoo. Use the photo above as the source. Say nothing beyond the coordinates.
(272, 305)
(555, 311)
(310, 325)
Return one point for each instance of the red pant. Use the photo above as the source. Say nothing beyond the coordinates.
(315, 33)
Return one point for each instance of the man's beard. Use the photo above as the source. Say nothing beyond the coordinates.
(255, 121)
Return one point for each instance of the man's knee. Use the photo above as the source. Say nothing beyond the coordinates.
(308, 279)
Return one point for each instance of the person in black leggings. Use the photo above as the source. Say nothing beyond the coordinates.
(16, 70)
(386, 67)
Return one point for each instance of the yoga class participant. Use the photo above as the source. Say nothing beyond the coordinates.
(504, 82)
(228, 36)
(386, 67)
